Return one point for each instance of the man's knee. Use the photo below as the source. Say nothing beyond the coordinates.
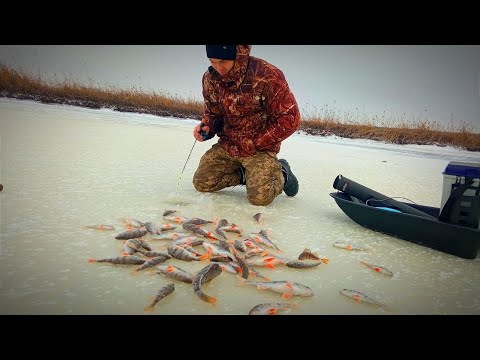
(262, 190)
(200, 184)
(261, 199)
(199, 187)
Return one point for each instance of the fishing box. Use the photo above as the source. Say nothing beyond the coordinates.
(461, 194)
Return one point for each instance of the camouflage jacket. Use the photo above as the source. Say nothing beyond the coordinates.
(251, 109)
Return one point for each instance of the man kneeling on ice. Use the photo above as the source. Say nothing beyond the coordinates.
(249, 106)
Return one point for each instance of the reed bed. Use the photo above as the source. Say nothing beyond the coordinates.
(318, 122)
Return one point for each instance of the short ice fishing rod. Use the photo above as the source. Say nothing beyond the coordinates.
(188, 156)
(205, 137)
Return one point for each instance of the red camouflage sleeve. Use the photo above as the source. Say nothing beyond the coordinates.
(283, 116)
(213, 116)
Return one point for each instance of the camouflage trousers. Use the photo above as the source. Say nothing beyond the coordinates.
(218, 170)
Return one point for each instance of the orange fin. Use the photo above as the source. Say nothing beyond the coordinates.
(148, 308)
(210, 299)
(204, 256)
(272, 311)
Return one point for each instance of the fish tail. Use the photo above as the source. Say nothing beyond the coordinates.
(366, 264)
(204, 256)
(134, 272)
(325, 261)
(209, 299)
(148, 308)
(383, 306)
(207, 255)
(92, 260)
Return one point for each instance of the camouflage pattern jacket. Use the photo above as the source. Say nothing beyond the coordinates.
(251, 109)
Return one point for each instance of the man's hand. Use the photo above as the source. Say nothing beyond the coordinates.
(202, 132)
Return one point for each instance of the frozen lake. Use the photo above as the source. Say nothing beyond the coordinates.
(65, 167)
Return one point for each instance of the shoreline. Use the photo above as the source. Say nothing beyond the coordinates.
(133, 118)
(309, 127)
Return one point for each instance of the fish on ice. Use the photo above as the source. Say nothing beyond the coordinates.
(162, 293)
(378, 268)
(274, 308)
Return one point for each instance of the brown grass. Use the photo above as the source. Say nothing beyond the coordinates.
(398, 131)
(16, 84)
(327, 121)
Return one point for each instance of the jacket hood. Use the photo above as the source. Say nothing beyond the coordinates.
(243, 52)
(236, 75)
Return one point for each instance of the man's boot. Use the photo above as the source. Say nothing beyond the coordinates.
(291, 183)
(243, 179)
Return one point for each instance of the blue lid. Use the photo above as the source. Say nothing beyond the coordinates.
(463, 169)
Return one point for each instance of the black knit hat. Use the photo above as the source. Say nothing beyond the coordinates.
(225, 52)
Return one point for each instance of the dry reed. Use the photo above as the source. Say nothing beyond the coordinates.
(327, 121)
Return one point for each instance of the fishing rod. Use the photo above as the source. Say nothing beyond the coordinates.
(188, 157)
(204, 136)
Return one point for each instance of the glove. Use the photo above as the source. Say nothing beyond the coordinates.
(202, 132)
